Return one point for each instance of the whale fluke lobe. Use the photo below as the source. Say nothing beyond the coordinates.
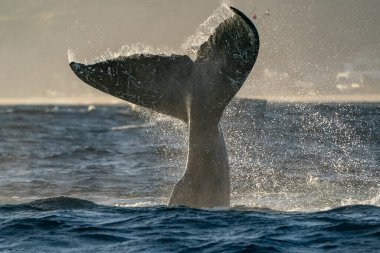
(195, 92)
(152, 81)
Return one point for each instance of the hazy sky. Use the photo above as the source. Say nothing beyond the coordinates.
(305, 43)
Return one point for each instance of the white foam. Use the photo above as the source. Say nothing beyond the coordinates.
(142, 202)
(127, 127)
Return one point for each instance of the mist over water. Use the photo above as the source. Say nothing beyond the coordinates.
(283, 156)
(292, 157)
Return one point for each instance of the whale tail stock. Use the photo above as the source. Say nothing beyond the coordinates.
(195, 92)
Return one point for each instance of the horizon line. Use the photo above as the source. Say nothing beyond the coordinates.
(109, 101)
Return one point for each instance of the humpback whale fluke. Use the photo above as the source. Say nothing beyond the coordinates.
(195, 92)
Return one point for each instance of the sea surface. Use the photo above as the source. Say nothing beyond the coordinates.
(305, 178)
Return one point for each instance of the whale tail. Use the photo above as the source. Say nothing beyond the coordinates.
(195, 92)
(164, 83)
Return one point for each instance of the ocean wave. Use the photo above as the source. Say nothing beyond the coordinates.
(48, 204)
(291, 162)
(64, 203)
(87, 150)
(68, 224)
(61, 203)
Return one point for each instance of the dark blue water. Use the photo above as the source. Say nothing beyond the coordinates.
(72, 225)
(305, 178)
(76, 225)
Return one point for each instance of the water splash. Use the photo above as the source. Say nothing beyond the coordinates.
(319, 158)
(289, 157)
(125, 51)
(128, 50)
(71, 55)
(206, 29)
(189, 46)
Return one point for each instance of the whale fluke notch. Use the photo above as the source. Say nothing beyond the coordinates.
(195, 92)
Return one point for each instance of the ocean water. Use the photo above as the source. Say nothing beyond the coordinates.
(305, 178)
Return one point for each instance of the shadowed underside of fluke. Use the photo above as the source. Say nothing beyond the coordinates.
(195, 92)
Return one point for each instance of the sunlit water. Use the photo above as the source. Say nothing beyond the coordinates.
(292, 165)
